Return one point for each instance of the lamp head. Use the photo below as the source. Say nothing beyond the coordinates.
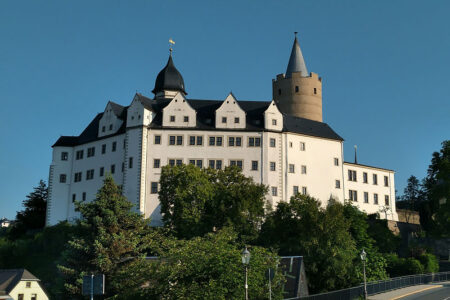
(245, 256)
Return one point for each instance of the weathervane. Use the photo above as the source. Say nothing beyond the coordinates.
(171, 43)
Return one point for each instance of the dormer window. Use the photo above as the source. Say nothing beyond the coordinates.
(103, 128)
(110, 126)
(186, 119)
(224, 120)
(236, 120)
(172, 118)
(274, 122)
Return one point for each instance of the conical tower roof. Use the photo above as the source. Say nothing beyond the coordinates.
(169, 79)
(296, 61)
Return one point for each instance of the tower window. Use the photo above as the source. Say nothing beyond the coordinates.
(296, 89)
(315, 91)
(279, 91)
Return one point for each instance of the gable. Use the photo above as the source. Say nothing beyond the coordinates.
(230, 115)
(273, 118)
(110, 121)
(178, 113)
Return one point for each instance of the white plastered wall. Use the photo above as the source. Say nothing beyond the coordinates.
(108, 119)
(35, 288)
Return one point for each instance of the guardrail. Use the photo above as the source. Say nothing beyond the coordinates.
(381, 286)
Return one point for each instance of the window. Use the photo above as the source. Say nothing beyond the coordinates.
(279, 91)
(386, 200)
(291, 168)
(84, 196)
(351, 175)
(365, 177)
(224, 119)
(103, 128)
(353, 195)
(172, 119)
(375, 179)
(114, 146)
(303, 169)
(20, 297)
(366, 197)
(386, 181)
(179, 162)
(237, 163)
(28, 284)
(304, 190)
(315, 91)
(375, 198)
(130, 162)
(103, 148)
(215, 141)
(296, 88)
(196, 162)
(274, 122)
(290, 144)
(33, 296)
(77, 177)
(338, 184)
(302, 146)
(186, 119)
(215, 164)
(176, 140)
(236, 120)
(89, 174)
(62, 178)
(110, 126)
(157, 140)
(172, 162)
(274, 191)
(273, 166)
(156, 163)
(154, 188)
(195, 140)
(254, 165)
(90, 151)
(272, 142)
(64, 156)
(74, 197)
(336, 161)
(254, 142)
(234, 141)
(295, 189)
(102, 171)
(79, 154)
(113, 169)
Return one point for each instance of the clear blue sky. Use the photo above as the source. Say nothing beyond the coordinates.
(385, 66)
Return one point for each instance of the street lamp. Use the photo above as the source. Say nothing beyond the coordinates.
(363, 258)
(245, 262)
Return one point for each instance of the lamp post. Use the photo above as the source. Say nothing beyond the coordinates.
(245, 262)
(363, 258)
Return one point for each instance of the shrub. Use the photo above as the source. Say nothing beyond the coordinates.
(429, 262)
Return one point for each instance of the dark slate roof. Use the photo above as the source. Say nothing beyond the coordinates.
(118, 109)
(10, 277)
(206, 120)
(169, 79)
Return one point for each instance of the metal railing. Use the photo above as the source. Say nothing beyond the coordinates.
(381, 286)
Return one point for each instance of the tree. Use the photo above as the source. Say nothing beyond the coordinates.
(32, 217)
(435, 212)
(210, 267)
(196, 201)
(112, 238)
(321, 236)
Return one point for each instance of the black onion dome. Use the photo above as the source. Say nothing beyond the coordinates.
(169, 79)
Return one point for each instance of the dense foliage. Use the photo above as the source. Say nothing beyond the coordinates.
(196, 201)
(32, 218)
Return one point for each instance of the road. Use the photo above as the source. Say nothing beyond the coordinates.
(442, 293)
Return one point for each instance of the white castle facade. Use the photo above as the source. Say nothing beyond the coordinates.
(281, 143)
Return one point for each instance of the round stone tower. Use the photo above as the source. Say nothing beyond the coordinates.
(298, 93)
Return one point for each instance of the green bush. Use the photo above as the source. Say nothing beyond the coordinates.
(429, 262)
(397, 266)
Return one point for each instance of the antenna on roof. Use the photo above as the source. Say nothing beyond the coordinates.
(356, 158)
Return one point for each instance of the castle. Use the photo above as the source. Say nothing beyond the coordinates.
(282, 143)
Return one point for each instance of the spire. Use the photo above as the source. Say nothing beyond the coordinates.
(296, 61)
